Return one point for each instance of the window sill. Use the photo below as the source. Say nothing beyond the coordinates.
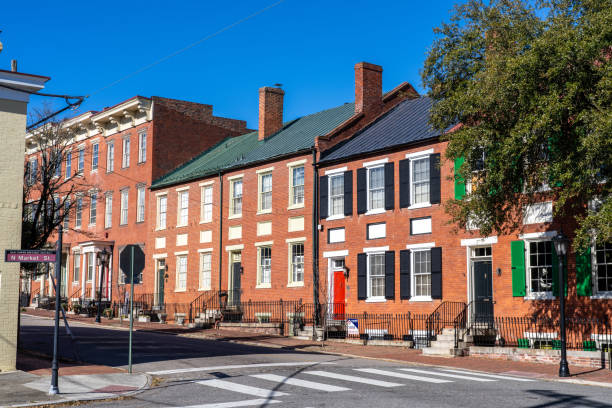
(205, 222)
(181, 225)
(603, 295)
(94, 171)
(295, 206)
(421, 299)
(335, 217)
(419, 205)
(540, 296)
(376, 211)
(233, 217)
(260, 212)
(295, 284)
(203, 289)
(263, 286)
(160, 229)
(376, 300)
(180, 290)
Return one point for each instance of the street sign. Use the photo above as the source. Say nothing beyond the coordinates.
(125, 262)
(29, 255)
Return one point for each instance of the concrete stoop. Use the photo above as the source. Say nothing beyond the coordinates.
(204, 320)
(444, 345)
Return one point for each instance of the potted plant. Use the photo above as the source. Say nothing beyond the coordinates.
(108, 313)
(76, 308)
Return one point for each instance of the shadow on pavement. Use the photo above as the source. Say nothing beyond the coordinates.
(558, 400)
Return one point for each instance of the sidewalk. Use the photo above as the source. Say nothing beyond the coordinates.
(402, 354)
(29, 385)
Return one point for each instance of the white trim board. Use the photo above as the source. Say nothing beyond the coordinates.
(479, 241)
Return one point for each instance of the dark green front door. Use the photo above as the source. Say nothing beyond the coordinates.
(161, 279)
(483, 290)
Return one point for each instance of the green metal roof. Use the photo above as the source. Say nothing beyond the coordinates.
(234, 152)
(209, 162)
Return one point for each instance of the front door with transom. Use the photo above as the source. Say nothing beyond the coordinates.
(235, 275)
(338, 308)
(482, 278)
(161, 280)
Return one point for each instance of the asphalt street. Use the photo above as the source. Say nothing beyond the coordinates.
(206, 373)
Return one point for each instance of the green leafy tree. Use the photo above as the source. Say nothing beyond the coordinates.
(526, 90)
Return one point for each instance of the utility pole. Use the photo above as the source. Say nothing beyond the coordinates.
(54, 389)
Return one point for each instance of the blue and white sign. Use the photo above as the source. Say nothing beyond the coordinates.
(352, 327)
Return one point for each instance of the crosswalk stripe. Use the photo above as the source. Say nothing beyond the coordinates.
(235, 404)
(245, 389)
(401, 375)
(353, 378)
(501, 377)
(234, 366)
(463, 377)
(300, 383)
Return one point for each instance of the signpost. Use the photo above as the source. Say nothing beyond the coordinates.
(131, 259)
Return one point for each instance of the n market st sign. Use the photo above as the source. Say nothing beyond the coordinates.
(29, 255)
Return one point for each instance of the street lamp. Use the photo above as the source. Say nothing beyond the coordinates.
(103, 259)
(560, 242)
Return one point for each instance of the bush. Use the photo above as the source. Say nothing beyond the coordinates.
(76, 308)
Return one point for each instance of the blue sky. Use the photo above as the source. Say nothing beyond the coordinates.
(308, 46)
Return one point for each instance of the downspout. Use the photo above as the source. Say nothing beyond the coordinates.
(315, 240)
(220, 232)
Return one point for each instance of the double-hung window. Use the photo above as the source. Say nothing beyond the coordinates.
(81, 160)
(162, 208)
(421, 267)
(376, 275)
(297, 186)
(33, 171)
(140, 204)
(236, 198)
(420, 181)
(90, 266)
(539, 267)
(66, 213)
(76, 269)
(336, 195)
(142, 147)
(265, 192)
(603, 268)
(183, 208)
(78, 212)
(296, 257)
(264, 266)
(124, 207)
(95, 152)
(181, 272)
(125, 160)
(207, 204)
(108, 210)
(57, 163)
(110, 156)
(205, 270)
(68, 165)
(376, 188)
(93, 208)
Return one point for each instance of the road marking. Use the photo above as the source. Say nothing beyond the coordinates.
(354, 378)
(229, 367)
(300, 383)
(401, 375)
(501, 377)
(247, 403)
(464, 377)
(245, 389)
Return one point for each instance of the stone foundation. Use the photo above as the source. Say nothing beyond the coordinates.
(260, 328)
(595, 359)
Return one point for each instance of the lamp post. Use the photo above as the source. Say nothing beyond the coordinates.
(103, 259)
(560, 242)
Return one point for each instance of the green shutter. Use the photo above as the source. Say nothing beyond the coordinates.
(459, 181)
(555, 272)
(583, 273)
(517, 254)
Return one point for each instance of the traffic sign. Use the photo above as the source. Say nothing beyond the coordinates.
(125, 262)
(29, 255)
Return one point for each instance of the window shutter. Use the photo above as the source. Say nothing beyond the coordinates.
(389, 187)
(362, 276)
(390, 274)
(362, 196)
(459, 181)
(555, 272)
(405, 274)
(323, 197)
(348, 193)
(436, 273)
(517, 255)
(404, 183)
(583, 273)
(434, 178)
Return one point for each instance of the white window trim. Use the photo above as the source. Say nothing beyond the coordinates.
(373, 165)
(420, 154)
(536, 237)
(297, 163)
(259, 284)
(294, 240)
(595, 293)
(160, 256)
(290, 242)
(413, 248)
(419, 205)
(235, 177)
(203, 187)
(336, 254)
(335, 217)
(206, 183)
(425, 245)
(260, 174)
(480, 241)
(337, 171)
(178, 190)
(233, 181)
(176, 279)
(376, 249)
(179, 253)
(204, 252)
(264, 243)
(266, 170)
(234, 247)
(158, 212)
(178, 208)
(329, 197)
(376, 163)
(373, 251)
(413, 157)
(291, 166)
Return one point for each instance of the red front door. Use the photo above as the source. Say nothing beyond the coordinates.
(339, 294)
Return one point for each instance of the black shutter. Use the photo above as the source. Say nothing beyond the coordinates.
(405, 274)
(362, 203)
(436, 273)
(348, 193)
(434, 178)
(323, 193)
(389, 187)
(390, 274)
(404, 183)
(362, 276)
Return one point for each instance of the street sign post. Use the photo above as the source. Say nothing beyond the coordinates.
(54, 389)
(132, 259)
(29, 255)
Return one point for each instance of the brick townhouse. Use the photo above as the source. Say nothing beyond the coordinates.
(239, 217)
(118, 152)
(386, 245)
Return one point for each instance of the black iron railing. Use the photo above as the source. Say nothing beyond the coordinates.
(444, 316)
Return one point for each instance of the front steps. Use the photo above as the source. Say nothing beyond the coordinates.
(204, 320)
(444, 345)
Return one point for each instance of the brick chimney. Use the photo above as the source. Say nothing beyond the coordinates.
(270, 111)
(368, 88)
